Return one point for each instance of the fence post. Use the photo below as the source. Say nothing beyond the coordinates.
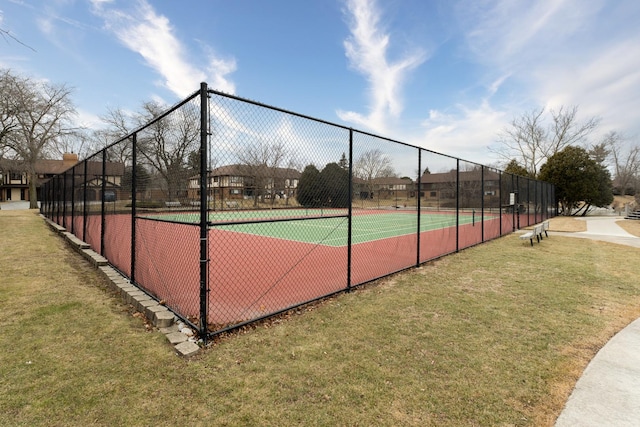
(535, 202)
(73, 199)
(134, 190)
(57, 188)
(350, 211)
(419, 212)
(102, 207)
(528, 202)
(84, 203)
(482, 203)
(457, 205)
(204, 178)
(516, 207)
(64, 199)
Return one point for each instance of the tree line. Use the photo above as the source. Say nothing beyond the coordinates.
(38, 121)
(554, 146)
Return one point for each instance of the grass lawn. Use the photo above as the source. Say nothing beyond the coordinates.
(495, 335)
(630, 226)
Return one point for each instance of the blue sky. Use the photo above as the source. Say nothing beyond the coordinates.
(445, 75)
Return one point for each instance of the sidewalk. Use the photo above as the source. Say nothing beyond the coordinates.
(608, 392)
(15, 205)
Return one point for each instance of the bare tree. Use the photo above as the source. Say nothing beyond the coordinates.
(262, 162)
(166, 144)
(8, 109)
(35, 116)
(119, 124)
(373, 164)
(530, 141)
(626, 162)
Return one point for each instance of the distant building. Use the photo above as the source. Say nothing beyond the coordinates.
(384, 188)
(474, 189)
(14, 182)
(237, 181)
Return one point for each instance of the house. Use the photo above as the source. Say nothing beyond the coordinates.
(473, 189)
(384, 188)
(14, 181)
(238, 181)
(114, 172)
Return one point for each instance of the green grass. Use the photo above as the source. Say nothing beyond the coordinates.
(495, 335)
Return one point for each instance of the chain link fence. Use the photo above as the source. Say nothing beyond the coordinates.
(230, 211)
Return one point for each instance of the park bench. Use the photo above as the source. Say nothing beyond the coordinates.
(232, 204)
(536, 233)
(545, 227)
(172, 204)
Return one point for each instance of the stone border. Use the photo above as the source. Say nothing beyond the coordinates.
(160, 316)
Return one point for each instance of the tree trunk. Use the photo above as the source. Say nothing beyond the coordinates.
(33, 192)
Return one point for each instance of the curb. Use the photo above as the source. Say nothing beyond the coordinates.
(177, 334)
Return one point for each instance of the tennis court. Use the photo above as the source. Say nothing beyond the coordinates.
(263, 261)
(327, 226)
(260, 253)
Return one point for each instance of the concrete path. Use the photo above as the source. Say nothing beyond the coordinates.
(605, 228)
(15, 205)
(608, 392)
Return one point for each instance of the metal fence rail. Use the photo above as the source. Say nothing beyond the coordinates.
(231, 211)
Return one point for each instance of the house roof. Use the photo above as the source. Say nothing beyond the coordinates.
(54, 167)
(391, 180)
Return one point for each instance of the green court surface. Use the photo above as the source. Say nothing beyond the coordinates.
(333, 231)
(246, 215)
(323, 226)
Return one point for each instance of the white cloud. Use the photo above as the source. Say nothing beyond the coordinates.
(551, 53)
(466, 132)
(88, 119)
(152, 36)
(367, 49)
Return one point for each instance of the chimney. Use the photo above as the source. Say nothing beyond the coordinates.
(69, 159)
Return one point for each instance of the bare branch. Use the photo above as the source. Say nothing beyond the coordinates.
(34, 117)
(626, 163)
(530, 142)
(7, 34)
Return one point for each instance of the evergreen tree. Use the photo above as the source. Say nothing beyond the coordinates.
(577, 178)
(344, 163)
(516, 169)
(309, 188)
(335, 186)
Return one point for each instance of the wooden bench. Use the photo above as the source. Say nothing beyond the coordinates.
(172, 204)
(545, 227)
(232, 204)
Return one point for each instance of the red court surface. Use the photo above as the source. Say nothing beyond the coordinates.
(251, 276)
